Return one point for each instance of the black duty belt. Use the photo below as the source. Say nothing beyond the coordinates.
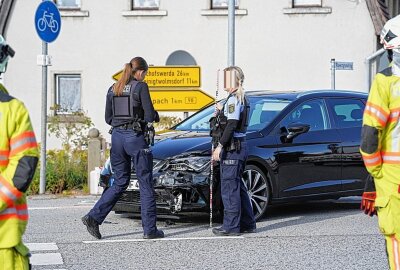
(135, 126)
(124, 126)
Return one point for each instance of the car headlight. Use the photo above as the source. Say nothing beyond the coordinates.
(196, 164)
(158, 164)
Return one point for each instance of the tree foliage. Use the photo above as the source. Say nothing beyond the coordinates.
(166, 122)
(71, 128)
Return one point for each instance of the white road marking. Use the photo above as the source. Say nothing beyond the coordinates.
(41, 246)
(163, 239)
(41, 256)
(88, 202)
(46, 259)
(59, 207)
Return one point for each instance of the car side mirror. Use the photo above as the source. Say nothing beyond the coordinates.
(296, 129)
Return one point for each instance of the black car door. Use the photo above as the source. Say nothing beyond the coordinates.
(347, 115)
(309, 163)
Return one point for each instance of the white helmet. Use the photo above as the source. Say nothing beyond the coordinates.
(390, 34)
(5, 53)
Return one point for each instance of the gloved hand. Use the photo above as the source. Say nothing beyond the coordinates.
(104, 180)
(149, 134)
(156, 117)
(368, 203)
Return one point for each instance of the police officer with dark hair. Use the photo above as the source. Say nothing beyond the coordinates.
(130, 112)
(229, 139)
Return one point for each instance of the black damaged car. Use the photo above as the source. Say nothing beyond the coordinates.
(302, 146)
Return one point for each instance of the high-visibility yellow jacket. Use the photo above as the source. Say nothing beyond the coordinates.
(380, 138)
(18, 160)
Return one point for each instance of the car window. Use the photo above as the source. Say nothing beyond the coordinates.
(262, 111)
(198, 121)
(311, 112)
(347, 112)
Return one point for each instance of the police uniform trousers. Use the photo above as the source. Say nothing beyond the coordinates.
(238, 213)
(387, 203)
(127, 144)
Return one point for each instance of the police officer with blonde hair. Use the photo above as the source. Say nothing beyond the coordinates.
(231, 150)
(18, 160)
(380, 145)
(129, 110)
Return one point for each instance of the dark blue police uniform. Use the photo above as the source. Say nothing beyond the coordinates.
(238, 212)
(127, 145)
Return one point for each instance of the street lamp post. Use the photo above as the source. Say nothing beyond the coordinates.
(231, 33)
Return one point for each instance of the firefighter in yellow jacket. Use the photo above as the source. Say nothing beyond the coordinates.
(380, 145)
(18, 160)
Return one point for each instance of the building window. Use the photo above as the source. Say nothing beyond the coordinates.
(68, 93)
(306, 7)
(222, 4)
(69, 4)
(146, 4)
(307, 3)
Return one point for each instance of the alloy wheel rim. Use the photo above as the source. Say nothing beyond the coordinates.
(256, 186)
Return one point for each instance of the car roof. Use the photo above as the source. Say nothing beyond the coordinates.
(291, 95)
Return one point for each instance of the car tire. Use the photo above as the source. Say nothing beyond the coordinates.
(258, 189)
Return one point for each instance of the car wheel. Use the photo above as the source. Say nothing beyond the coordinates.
(258, 189)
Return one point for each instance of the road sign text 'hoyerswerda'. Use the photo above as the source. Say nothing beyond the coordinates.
(170, 76)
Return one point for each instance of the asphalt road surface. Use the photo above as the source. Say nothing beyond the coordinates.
(315, 235)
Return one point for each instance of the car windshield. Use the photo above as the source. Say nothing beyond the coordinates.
(262, 111)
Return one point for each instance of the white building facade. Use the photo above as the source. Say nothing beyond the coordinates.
(279, 44)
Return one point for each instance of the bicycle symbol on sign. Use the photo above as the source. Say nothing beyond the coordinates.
(47, 21)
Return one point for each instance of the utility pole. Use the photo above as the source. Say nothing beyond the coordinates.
(231, 33)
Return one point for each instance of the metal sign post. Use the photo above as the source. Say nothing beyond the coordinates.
(333, 73)
(231, 33)
(335, 65)
(47, 24)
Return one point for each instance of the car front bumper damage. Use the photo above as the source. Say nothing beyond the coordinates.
(177, 189)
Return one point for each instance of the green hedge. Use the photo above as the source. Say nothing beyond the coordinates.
(64, 172)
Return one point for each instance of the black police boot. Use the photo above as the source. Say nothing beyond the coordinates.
(92, 226)
(248, 230)
(157, 234)
(222, 232)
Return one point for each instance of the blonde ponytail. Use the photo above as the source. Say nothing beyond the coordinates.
(240, 94)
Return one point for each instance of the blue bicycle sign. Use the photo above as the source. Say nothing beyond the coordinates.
(47, 21)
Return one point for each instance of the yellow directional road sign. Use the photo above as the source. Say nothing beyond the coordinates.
(170, 76)
(179, 100)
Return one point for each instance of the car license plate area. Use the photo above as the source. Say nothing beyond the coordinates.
(133, 185)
